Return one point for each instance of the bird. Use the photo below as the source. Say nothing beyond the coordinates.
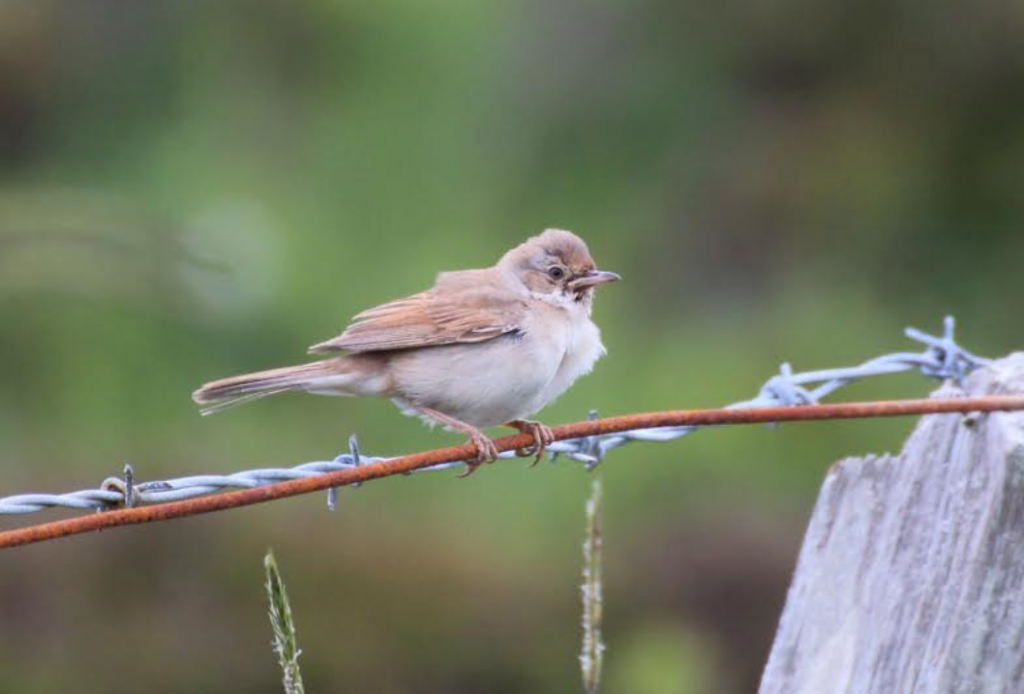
(481, 348)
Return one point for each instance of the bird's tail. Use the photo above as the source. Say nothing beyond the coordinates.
(238, 390)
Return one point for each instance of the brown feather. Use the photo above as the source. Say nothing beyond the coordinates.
(286, 378)
(464, 307)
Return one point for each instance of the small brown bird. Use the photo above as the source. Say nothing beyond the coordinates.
(479, 349)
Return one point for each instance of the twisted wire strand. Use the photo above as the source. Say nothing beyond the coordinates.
(942, 358)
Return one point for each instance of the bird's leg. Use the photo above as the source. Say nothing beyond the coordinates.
(542, 436)
(485, 450)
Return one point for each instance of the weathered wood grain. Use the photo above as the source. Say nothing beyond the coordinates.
(911, 575)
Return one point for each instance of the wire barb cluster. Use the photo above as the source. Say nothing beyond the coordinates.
(942, 358)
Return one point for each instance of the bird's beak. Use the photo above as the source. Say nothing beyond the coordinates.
(594, 278)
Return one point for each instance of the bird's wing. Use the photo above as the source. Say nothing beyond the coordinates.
(430, 318)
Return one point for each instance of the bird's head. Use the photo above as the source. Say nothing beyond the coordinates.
(556, 265)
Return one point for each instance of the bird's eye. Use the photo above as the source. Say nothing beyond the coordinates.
(556, 272)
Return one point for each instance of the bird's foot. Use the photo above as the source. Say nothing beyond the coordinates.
(486, 452)
(542, 436)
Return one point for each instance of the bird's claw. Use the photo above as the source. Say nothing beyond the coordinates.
(542, 436)
(486, 452)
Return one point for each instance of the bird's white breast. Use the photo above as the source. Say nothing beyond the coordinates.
(510, 377)
(581, 347)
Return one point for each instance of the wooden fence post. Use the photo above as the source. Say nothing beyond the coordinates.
(911, 575)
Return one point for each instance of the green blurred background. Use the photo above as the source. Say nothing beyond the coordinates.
(190, 190)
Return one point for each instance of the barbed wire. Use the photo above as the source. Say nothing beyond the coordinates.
(942, 358)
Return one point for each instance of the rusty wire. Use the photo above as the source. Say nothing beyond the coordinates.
(418, 461)
(785, 397)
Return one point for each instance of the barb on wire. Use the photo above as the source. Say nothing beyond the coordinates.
(942, 358)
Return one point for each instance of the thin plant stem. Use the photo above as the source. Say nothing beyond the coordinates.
(285, 642)
(592, 655)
